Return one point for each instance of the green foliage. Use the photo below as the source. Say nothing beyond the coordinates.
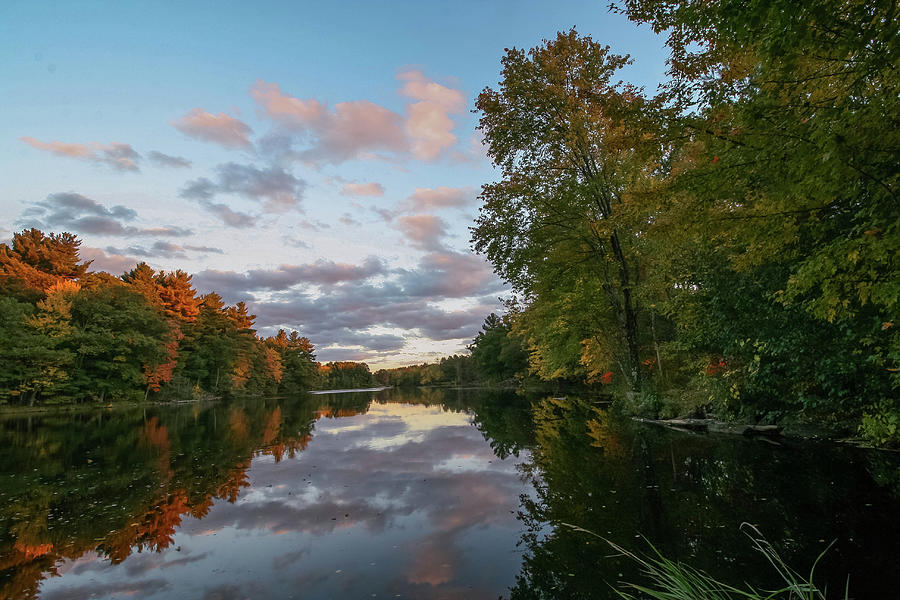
(496, 352)
(574, 150)
(70, 335)
(733, 241)
(345, 375)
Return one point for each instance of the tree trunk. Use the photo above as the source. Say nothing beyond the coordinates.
(630, 324)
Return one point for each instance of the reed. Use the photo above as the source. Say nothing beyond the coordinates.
(670, 580)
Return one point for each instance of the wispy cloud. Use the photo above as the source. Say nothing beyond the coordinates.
(372, 188)
(219, 128)
(166, 160)
(118, 156)
(321, 272)
(278, 189)
(68, 211)
(424, 199)
(162, 249)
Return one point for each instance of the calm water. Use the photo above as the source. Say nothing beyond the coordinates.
(425, 494)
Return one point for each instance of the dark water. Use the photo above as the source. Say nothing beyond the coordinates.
(425, 494)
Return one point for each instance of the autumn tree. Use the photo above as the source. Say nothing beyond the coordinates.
(36, 261)
(298, 361)
(573, 148)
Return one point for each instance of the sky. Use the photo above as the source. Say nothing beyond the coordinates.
(317, 160)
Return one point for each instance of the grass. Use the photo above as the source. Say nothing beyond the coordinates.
(670, 580)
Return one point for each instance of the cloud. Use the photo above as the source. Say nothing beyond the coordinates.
(348, 305)
(291, 112)
(166, 160)
(425, 232)
(428, 122)
(360, 129)
(424, 199)
(119, 156)
(232, 218)
(449, 274)
(68, 211)
(93, 590)
(362, 307)
(321, 272)
(206, 249)
(220, 128)
(161, 249)
(362, 189)
(347, 340)
(350, 130)
(278, 189)
(111, 263)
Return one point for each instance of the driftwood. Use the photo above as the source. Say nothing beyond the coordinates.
(713, 426)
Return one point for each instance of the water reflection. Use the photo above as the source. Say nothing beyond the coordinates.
(332, 496)
(421, 494)
(688, 494)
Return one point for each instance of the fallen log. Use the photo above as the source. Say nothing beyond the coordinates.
(714, 426)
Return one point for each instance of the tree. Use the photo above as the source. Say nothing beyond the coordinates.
(787, 180)
(36, 261)
(497, 354)
(116, 332)
(573, 149)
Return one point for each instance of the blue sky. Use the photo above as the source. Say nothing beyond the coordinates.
(318, 161)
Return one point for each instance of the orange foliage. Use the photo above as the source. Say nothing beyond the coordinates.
(273, 426)
(156, 436)
(273, 363)
(156, 375)
(239, 424)
(32, 552)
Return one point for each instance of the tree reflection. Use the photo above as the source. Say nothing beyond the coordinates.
(123, 481)
(687, 495)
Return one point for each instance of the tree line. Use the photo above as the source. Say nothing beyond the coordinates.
(72, 335)
(728, 244)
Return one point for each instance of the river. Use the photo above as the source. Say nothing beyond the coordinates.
(418, 494)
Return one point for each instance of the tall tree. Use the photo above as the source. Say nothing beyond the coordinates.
(573, 148)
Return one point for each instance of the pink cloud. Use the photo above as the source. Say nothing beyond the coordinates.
(117, 155)
(423, 231)
(351, 130)
(220, 128)
(362, 189)
(428, 122)
(111, 263)
(290, 111)
(437, 198)
(360, 129)
(61, 148)
(419, 87)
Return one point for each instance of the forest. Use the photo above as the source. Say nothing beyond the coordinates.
(73, 335)
(728, 244)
